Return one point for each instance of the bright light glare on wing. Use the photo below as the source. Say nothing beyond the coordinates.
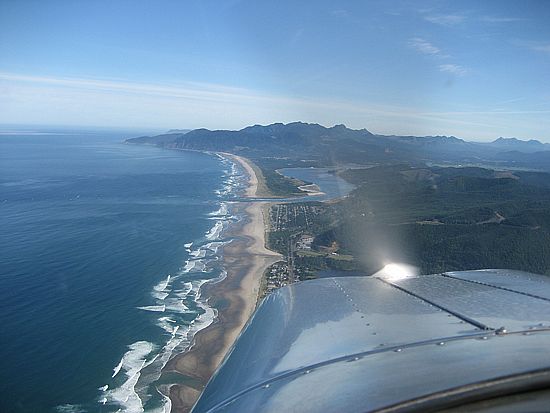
(395, 272)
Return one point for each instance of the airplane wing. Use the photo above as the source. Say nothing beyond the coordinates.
(420, 343)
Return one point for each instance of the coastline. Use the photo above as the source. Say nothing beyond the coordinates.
(235, 297)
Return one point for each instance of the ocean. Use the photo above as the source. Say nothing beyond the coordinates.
(104, 248)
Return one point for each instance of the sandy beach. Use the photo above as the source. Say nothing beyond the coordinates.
(245, 258)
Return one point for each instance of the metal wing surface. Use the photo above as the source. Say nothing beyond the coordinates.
(360, 344)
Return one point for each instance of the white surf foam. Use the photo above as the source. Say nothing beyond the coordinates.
(176, 305)
(219, 278)
(186, 287)
(194, 266)
(155, 308)
(133, 361)
(167, 325)
(189, 265)
(163, 285)
(159, 295)
(200, 253)
(215, 245)
(220, 212)
(152, 372)
(215, 231)
(118, 367)
(173, 292)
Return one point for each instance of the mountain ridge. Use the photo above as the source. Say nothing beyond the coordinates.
(326, 146)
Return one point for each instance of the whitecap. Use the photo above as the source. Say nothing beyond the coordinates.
(182, 293)
(155, 308)
(176, 305)
(200, 266)
(189, 265)
(200, 253)
(167, 326)
(159, 295)
(194, 266)
(215, 245)
(152, 372)
(215, 231)
(161, 286)
(134, 360)
(220, 212)
(118, 367)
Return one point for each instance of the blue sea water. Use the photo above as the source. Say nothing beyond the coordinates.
(103, 250)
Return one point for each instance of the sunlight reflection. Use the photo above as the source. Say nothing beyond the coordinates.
(395, 271)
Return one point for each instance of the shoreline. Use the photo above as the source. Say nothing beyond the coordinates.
(235, 297)
(311, 189)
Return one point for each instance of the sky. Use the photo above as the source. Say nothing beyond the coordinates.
(472, 69)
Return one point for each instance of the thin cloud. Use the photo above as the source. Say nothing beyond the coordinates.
(453, 69)
(56, 100)
(445, 19)
(423, 46)
(497, 19)
(543, 47)
(427, 48)
(90, 101)
(94, 101)
(340, 13)
(196, 91)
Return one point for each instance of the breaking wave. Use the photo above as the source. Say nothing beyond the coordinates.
(182, 312)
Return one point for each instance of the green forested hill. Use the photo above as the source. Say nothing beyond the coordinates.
(444, 219)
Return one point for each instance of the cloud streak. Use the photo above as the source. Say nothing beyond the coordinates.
(95, 102)
(445, 19)
(195, 91)
(423, 46)
(497, 19)
(456, 70)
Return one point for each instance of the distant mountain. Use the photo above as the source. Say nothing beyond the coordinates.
(293, 140)
(335, 145)
(164, 140)
(513, 144)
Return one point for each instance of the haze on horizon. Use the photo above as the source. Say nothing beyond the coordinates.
(476, 70)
